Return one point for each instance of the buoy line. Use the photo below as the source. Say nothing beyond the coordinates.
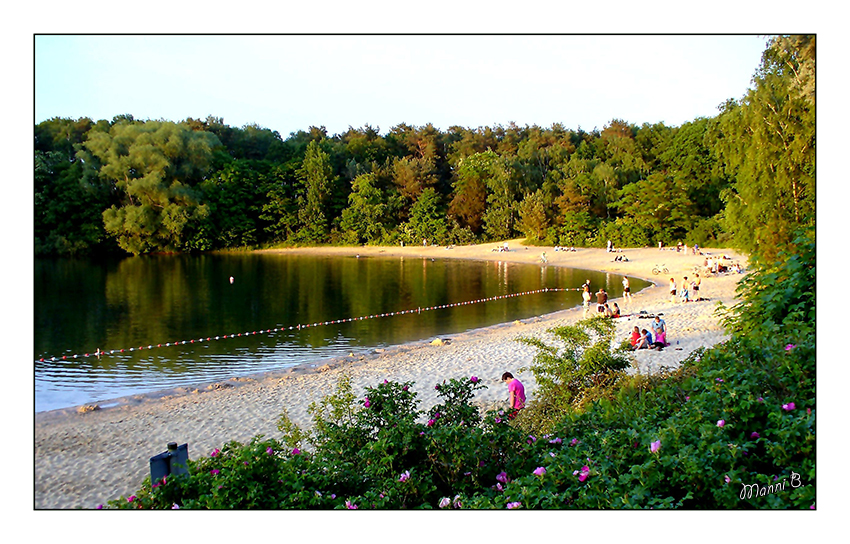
(99, 353)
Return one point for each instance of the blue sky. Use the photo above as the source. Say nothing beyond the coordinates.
(289, 83)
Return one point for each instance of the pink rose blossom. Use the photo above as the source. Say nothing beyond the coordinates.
(788, 407)
(502, 477)
(512, 505)
(539, 471)
(721, 422)
(655, 446)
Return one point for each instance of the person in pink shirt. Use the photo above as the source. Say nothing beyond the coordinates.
(516, 391)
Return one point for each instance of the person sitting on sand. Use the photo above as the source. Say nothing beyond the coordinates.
(616, 311)
(515, 390)
(659, 327)
(608, 311)
(635, 337)
(644, 341)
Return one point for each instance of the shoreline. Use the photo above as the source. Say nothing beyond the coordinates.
(85, 458)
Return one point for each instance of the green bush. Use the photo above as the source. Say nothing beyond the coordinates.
(732, 428)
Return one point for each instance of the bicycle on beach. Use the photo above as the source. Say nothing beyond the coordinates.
(659, 270)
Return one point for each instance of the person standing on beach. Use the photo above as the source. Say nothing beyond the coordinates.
(696, 283)
(627, 291)
(659, 327)
(585, 296)
(672, 290)
(685, 295)
(601, 299)
(516, 392)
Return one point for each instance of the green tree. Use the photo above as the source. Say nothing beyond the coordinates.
(155, 166)
(317, 178)
(767, 142)
(533, 219)
(427, 220)
(365, 218)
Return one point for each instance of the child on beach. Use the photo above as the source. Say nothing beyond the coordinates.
(672, 290)
(515, 390)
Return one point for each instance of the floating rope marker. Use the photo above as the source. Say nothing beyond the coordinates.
(418, 310)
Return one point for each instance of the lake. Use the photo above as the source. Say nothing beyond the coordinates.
(110, 305)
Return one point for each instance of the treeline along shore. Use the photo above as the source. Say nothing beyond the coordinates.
(742, 179)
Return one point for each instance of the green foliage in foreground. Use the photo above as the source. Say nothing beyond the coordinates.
(733, 428)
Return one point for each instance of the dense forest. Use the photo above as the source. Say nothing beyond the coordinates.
(744, 178)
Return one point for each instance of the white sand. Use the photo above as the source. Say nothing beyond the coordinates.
(83, 459)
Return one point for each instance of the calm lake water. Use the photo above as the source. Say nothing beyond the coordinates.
(85, 305)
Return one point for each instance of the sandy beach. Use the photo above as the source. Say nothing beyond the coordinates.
(83, 458)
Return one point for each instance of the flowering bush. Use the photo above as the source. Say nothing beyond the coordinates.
(732, 428)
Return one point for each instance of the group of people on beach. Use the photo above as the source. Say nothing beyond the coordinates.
(688, 291)
(644, 339)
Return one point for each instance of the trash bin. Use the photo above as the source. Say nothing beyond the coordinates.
(170, 463)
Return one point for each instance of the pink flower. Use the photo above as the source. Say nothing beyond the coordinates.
(502, 477)
(727, 478)
(531, 439)
(512, 505)
(404, 476)
(760, 399)
(430, 423)
(215, 471)
(789, 347)
(539, 471)
(687, 398)
(555, 441)
(497, 420)
(719, 380)
(574, 441)
(405, 388)
(788, 407)
(366, 403)
(131, 498)
(445, 501)
(269, 450)
(215, 452)
(585, 472)
(350, 505)
(721, 422)
(754, 435)
(655, 446)
(296, 451)
(474, 379)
